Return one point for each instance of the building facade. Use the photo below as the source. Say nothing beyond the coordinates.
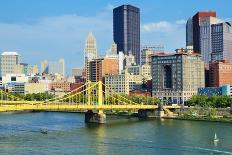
(122, 83)
(189, 32)
(90, 52)
(176, 77)
(147, 51)
(196, 19)
(53, 67)
(222, 41)
(220, 73)
(8, 61)
(99, 68)
(218, 91)
(26, 69)
(126, 30)
(205, 37)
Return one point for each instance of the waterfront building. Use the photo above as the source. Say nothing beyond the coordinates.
(176, 77)
(126, 30)
(147, 51)
(222, 41)
(53, 67)
(40, 87)
(7, 62)
(122, 83)
(13, 78)
(205, 37)
(90, 52)
(218, 91)
(220, 73)
(196, 19)
(189, 32)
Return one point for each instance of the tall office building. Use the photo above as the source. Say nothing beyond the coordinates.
(189, 32)
(8, 62)
(196, 19)
(222, 41)
(205, 37)
(90, 52)
(126, 29)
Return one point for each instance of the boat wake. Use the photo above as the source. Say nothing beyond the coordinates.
(206, 149)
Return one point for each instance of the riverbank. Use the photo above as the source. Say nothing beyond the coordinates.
(204, 118)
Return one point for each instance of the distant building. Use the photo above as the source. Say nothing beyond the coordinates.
(196, 19)
(26, 69)
(7, 62)
(189, 32)
(90, 52)
(147, 51)
(31, 88)
(220, 73)
(205, 37)
(99, 68)
(126, 30)
(53, 67)
(122, 83)
(218, 91)
(222, 41)
(77, 72)
(176, 77)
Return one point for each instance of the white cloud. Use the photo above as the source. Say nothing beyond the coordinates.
(162, 26)
(182, 21)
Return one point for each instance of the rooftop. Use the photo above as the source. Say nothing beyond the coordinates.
(10, 53)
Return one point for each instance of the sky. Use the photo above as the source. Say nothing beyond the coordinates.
(54, 29)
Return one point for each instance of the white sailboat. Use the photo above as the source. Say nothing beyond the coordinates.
(215, 138)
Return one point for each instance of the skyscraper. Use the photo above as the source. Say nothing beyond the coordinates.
(205, 37)
(90, 52)
(196, 27)
(189, 32)
(222, 41)
(8, 62)
(126, 29)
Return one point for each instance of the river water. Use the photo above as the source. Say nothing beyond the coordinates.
(20, 133)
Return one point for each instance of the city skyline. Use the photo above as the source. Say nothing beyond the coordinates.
(60, 32)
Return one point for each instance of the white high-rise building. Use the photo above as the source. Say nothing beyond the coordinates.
(90, 52)
(205, 37)
(8, 62)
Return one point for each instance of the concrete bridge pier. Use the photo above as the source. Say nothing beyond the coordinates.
(91, 117)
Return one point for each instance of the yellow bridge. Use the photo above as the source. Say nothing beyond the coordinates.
(89, 97)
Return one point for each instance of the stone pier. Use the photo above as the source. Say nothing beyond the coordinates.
(91, 117)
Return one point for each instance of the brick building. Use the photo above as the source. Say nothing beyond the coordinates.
(220, 73)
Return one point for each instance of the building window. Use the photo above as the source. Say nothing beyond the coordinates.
(167, 76)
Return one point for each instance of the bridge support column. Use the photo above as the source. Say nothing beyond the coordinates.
(146, 113)
(160, 111)
(91, 117)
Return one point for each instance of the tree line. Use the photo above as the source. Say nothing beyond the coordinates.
(214, 101)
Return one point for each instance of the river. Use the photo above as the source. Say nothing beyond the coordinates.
(20, 133)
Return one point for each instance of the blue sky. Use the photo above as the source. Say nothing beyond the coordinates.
(53, 29)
